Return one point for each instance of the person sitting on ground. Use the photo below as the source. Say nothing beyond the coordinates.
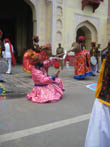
(46, 88)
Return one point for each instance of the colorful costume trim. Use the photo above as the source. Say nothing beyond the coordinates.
(28, 55)
(81, 69)
(101, 89)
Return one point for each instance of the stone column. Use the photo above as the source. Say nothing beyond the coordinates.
(52, 25)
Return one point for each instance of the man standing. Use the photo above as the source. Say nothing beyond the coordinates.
(98, 56)
(60, 50)
(8, 54)
(93, 58)
(36, 46)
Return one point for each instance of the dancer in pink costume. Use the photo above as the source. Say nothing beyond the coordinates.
(46, 88)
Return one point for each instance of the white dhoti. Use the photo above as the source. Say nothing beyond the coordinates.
(7, 55)
(98, 134)
(9, 65)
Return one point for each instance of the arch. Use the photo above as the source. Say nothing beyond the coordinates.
(87, 29)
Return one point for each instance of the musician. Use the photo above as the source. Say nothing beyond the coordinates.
(60, 50)
(93, 56)
(27, 67)
(36, 46)
(80, 71)
(46, 51)
(32, 52)
(81, 41)
(46, 54)
(8, 54)
(98, 56)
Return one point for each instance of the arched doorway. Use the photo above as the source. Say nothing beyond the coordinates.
(88, 30)
(16, 21)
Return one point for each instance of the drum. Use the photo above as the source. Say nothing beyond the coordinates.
(3, 66)
(93, 60)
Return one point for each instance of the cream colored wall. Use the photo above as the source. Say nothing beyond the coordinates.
(67, 20)
(74, 16)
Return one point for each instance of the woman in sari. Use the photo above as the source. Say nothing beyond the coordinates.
(46, 88)
(80, 63)
(81, 40)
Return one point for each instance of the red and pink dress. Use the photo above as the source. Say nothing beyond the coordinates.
(81, 69)
(46, 88)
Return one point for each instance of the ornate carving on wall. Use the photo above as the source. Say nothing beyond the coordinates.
(60, 1)
(48, 1)
(87, 21)
(59, 36)
(78, 18)
(59, 11)
(59, 24)
(94, 3)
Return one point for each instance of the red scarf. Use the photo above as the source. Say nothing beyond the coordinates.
(12, 55)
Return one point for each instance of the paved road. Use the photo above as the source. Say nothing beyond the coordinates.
(61, 124)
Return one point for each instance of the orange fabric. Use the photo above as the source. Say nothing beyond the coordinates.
(44, 55)
(79, 63)
(100, 78)
(28, 55)
(99, 83)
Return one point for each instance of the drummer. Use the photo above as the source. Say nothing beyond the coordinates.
(94, 55)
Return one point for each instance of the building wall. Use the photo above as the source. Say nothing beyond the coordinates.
(74, 16)
(68, 18)
(108, 22)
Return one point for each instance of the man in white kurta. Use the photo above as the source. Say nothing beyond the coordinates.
(7, 56)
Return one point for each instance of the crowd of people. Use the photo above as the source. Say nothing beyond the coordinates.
(36, 61)
(50, 88)
(86, 63)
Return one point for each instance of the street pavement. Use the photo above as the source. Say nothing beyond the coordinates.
(60, 124)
